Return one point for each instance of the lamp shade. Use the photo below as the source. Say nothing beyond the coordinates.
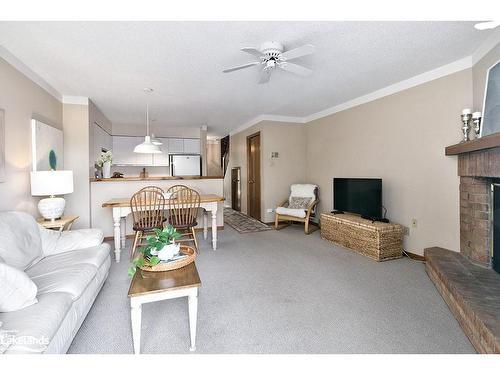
(147, 147)
(45, 183)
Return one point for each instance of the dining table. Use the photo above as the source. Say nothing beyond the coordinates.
(121, 209)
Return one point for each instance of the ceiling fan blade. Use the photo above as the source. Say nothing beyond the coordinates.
(241, 67)
(294, 68)
(265, 75)
(252, 51)
(305, 50)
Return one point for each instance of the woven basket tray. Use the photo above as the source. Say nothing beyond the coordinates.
(160, 267)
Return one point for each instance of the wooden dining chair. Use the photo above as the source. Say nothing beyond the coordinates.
(153, 188)
(148, 213)
(174, 189)
(183, 206)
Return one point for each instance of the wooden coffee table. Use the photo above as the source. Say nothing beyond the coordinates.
(158, 286)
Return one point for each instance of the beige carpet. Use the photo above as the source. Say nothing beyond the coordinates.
(283, 292)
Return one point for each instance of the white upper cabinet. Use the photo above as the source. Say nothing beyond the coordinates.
(161, 160)
(191, 146)
(123, 150)
(175, 145)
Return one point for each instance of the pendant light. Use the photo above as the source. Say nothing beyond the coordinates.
(147, 147)
(155, 140)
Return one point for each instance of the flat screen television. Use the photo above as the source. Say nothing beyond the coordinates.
(361, 196)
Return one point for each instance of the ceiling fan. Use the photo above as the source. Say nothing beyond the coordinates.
(272, 55)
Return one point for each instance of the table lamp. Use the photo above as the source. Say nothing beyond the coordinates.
(51, 183)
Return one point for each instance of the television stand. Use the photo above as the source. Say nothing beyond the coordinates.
(376, 240)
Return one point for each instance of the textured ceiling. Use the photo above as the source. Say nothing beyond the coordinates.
(111, 62)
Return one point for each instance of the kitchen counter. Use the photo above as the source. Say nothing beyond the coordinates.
(155, 178)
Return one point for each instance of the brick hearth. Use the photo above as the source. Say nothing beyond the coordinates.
(465, 280)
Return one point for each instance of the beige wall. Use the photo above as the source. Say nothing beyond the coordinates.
(22, 100)
(277, 174)
(96, 116)
(479, 72)
(214, 167)
(401, 139)
(76, 158)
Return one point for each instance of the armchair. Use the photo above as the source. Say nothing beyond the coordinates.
(300, 206)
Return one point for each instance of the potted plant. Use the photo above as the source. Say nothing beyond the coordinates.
(105, 163)
(160, 247)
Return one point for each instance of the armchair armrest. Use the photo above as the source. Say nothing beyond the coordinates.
(311, 207)
(54, 242)
(282, 204)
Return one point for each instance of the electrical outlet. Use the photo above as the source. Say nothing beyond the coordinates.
(270, 210)
(413, 223)
(406, 231)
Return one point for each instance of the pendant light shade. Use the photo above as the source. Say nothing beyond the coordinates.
(147, 147)
(155, 140)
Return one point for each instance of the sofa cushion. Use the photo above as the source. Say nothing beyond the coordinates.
(54, 242)
(61, 276)
(34, 326)
(20, 244)
(93, 255)
(17, 291)
(295, 212)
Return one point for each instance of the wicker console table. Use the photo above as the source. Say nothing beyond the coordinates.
(378, 241)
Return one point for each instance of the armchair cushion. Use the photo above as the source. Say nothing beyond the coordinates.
(54, 242)
(20, 244)
(296, 212)
(303, 190)
(299, 202)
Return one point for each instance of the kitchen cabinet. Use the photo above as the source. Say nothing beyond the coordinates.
(99, 140)
(123, 151)
(161, 160)
(175, 145)
(191, 146)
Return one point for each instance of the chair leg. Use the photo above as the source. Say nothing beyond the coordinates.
(195, 240)
(306, 227)
(134, 246)
(276, 221)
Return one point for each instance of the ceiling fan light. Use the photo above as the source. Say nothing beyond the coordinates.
(147, 147)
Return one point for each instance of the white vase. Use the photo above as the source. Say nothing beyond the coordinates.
(168, 251)
(106, 169)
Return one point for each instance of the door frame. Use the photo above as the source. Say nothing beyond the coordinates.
(260, 172)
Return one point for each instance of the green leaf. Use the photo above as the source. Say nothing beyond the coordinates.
(131, 270)
(154, 261)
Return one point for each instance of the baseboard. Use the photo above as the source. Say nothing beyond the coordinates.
(111, 238)
(414, 256)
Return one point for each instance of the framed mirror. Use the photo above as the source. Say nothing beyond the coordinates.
(491, 105)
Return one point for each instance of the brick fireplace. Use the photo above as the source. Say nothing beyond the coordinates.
(478, 171)
(466, 280)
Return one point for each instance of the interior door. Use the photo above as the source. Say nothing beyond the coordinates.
(253, 180)
(236, 189)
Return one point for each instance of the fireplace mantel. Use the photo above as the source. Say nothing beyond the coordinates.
(484, 143)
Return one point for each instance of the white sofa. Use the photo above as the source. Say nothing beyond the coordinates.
(68, 268)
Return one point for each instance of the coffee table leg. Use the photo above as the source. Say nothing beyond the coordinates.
(193, 314)
(135, 316)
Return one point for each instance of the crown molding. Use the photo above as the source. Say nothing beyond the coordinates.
(417, 80)
(490, 43)
(24, 69)
(260, 118)
(80, 100)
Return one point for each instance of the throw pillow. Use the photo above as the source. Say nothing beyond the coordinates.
(18, 290)
(300, 203)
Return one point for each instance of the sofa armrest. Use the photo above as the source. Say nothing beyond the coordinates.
(55, 242)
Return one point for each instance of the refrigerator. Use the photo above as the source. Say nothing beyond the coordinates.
(185, 165)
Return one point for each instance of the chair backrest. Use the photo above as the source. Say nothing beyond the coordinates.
(147, 208)
(153, 188)
(304, 190)
(174, 189)
(183, 207)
